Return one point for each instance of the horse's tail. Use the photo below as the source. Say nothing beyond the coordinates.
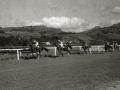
(69, 46)
(46, 49)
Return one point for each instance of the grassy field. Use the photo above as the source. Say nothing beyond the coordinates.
(73, 72)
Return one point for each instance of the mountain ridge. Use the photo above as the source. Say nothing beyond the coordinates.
(97, 35)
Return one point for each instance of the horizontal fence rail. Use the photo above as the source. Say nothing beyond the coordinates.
(98, 48)
(18, 52)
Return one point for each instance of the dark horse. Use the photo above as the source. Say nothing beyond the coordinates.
(85, 47)
(65, 48)
(36, 50)
(108, 47)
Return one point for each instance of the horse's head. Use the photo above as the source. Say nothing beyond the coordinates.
(57, 45)
(67, 45)
(54, 44)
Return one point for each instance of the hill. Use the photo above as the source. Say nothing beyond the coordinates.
(40, 33)
(30, 31)
(47, 33)
(101, 35)
(97, 35)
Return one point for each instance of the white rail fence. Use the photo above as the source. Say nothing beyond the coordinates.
(93, 48)
(99, 48)
(18, 52)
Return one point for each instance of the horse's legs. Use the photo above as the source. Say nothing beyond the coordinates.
(37, 56)
(85, 50)
(106, 50)
(33, 56)
(69, 52)
(117, 47)
(59, 51)
(40, 54)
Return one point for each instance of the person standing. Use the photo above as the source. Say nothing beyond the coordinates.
(106, 46)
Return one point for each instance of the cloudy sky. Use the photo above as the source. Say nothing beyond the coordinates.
(68, 15)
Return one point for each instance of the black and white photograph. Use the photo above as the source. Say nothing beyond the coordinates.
(59, 44)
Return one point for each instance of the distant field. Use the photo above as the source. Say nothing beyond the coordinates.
(83, 37)
(73, 72)
(4, 35)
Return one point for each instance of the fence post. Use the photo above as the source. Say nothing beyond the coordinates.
(17, 54)
(55, 51)
(99, 49)
(113, 48)
(90, 50)
(80, 48)
(119, 47)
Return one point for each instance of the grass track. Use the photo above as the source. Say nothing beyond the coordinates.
(74, 72)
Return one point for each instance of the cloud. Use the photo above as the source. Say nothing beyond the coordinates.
(33, 23)
(63, 22)
(102, 8)
(91, 25)
(108, 23)
(115, 21)
(84, 27)
(20, 23)
(105, 23)
(116, 10)
(54, 8)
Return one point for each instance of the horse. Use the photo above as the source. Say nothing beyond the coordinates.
(36, 50)
(64, 48)
(115, 45)
(85, 47)
(108, 47)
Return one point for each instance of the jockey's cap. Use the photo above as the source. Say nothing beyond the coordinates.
(34, 40)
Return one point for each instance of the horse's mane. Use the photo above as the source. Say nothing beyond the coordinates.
(56, 44)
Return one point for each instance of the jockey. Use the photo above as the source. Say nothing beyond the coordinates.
(107, 43)
(85, 44)
(35, 43)
(115, 43)
(61, 43)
